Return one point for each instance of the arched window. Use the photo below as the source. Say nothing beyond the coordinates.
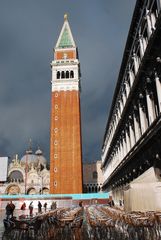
(85, 190)
(15, 176)
(71, 74)
(67, 74)
(62, 74)
(95, 175)
(58, 75)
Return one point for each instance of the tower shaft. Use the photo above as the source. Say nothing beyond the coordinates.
(65, 132)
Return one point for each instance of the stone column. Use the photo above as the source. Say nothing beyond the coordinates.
(141, 46)
(118, 113)
(137, 129)
(121, 151)
(124, 145)
(121, 105)
(116, 117)
(127, 139)
(153, 20)
(142, 115)
(149, 26)
(158, 88)
(119, 110)
(109, 140)
(111, 132)
(144, 43)
(150, 106)
(117, 156)
(136, 64)
(127, 87)
(114, 124)
(123, 98)
(131, 77)
(131, 131)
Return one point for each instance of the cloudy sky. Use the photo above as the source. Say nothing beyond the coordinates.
(28, 33)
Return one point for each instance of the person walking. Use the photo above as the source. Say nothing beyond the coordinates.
(12, 206)
(23, 207)
(8, 211)
(39, 207)
(45, 206)
(31, 207)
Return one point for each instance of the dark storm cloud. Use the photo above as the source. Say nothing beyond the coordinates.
(28, 33)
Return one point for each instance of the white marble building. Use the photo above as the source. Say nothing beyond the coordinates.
(132, 140)
(28, 175)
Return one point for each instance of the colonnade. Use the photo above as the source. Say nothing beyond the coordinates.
(92, 188)
(143, 111)
(135, 109)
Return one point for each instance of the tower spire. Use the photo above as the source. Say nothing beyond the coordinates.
(65, 17)
(65, 39)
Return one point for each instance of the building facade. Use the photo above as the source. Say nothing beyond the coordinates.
(92, 177)
(28, 175)
(132, 140)
(65, 133)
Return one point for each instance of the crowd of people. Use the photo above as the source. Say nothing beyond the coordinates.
(10, 207)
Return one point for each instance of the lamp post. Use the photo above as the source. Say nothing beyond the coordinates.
(26, 170)
(41, 184)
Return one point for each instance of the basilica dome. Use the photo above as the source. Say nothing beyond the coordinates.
(29, 158)
(40, 159)
(36, 159)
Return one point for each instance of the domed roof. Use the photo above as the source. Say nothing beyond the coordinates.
(36, 159)
(40, 159)
(28, 158)
(39, 152)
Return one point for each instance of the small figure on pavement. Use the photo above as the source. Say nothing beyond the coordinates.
(53, 205)
(8, 211)
(31, 208)
(12, 206)
(45, 206)
(23, 207)
(39, 207)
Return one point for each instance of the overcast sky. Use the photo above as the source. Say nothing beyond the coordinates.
(28, 33)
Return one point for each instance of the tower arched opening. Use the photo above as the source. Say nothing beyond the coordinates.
(58, 75)
(71, 74)
(62, 74)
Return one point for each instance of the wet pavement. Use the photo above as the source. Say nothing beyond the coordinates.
(17, 213)
(95, 222)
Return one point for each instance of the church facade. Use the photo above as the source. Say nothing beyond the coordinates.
(65, 132)
(28, 175)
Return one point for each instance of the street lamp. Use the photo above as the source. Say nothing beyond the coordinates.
(41, 184)
(26, 170)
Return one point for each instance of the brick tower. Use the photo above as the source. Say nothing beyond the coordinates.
(65, 132)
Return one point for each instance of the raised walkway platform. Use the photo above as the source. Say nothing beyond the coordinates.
(62, 200)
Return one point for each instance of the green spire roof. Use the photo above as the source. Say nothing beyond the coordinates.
(65, 40)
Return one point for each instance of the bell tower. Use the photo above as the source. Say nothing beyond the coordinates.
(65, 132)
